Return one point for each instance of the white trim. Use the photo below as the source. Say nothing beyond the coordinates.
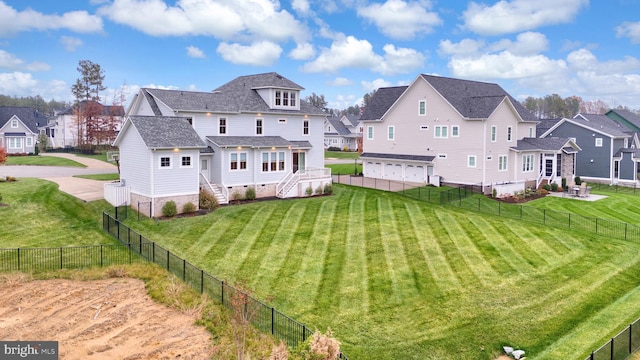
(391, 132)
(475, 161)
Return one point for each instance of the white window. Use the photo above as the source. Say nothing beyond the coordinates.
(598, 142)
(471, 161)
(285, 98)
(305, 127)
(29, 141)
(527, 163)
(530, 132)
(391, 133)
(369, 132)
(442, 156)
(165, 162)
(273, 161)
(14, 123)
(185, 162)
(502, 163)
(441, 132)
(15, 143)
(422, 107)
(258, 126)
(455, 130)
(238, 161)
(494, 132)
(509, 133)
(626, 144)
(222, 126)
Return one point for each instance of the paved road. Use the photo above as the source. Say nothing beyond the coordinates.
(83, 189)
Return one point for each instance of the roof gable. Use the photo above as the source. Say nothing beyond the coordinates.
(545, 144)
(29, 117)
(163, 132)
(381, 101)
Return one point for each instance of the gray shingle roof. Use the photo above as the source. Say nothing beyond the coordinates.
(541, 144)
(338, 125)
(544, 125)
(397, 157)
(474, 99)
(250, 141)
(29, 116)
(381, 101)
(629, 116)
(601, 123)
(238, 95)
(166, 132)
(105, 110)
(635, 152)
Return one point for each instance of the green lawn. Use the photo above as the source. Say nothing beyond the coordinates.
(39, 215)
(41, 160)
(342, 154)
(337, 169)
(100, 177)
(397, 278)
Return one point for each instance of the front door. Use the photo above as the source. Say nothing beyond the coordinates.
(298, 161)
(204, 167)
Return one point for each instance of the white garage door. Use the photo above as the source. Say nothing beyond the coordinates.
(393, 172)
(373, 170)
(415, 173)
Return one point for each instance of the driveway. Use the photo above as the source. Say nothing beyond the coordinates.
(83, 189)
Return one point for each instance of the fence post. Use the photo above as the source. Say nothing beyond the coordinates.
(612, 348)
(153, 249)
(544, 216)
(129, 246)
(201, 281)
(184, 269)
(521, 212)
(100, 255)
(630, 338)
(168, 254)
(499, 208)
(140, 241)
(222, 292)
(625, 230)
(569, 220)
(596, 226)
(272, 320)
(18, 259)
(61, 257)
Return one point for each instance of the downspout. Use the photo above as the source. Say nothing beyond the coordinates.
(484, 153)
(611, 162)
(153, 187)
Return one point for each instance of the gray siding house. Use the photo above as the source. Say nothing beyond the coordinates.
(459, 132)
(607, 150)
(342, 132)
(19, 129)
(253, 132)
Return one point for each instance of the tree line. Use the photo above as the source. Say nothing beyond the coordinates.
(35, 102)
(554, 106)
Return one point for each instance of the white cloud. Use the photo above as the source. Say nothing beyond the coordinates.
(13, 21)
(301, 6)
(369, 86)
(630, 30)
(504, 65)
(70, 43)
(349, 52)
(399, 19)
(8, 61)
(241, 20)
(340, 81)
(263, 53)
(302, 51)
(527, 43)
(24, 84)
(519, 15)
(465, 47)
(195, 52)
(344, 101)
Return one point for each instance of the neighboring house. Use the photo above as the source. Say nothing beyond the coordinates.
(19, 129)
(342, 132)
(253, 132)
(460, 132)
(62, 129)
(608, 152)
(625, 118)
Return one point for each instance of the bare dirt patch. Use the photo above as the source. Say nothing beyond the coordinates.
(102, 319)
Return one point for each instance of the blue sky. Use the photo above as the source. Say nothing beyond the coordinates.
(342, 49)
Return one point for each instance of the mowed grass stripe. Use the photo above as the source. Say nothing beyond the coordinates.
(241, 244)
(208, 239)
(467, 250)
(433, 256)
(274, 240)
(515, 237)
(400, 273)
(308, 279)
(293, 254)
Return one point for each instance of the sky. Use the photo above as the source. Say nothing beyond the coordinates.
(341, 49)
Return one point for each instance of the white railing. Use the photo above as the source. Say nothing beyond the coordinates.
(212, 187)
(117, 194)
(315, 173)
(287, 183)
(292, 179)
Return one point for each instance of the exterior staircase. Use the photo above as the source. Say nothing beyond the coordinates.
(217, 193)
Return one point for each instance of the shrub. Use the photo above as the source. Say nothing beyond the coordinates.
(544, 191)
(3, 155)
(577, 180)
(546, 187)
(554, 187)
(10, 178)
(319, 190)
(564, 183)
(237, 195)
(324, 345)
(207, 200)
(328, 189)
(250, 194)
(188, 208)
(309, 191)
(494, 193)
(333, 148)
(169, 209)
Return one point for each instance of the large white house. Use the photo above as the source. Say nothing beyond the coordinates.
(460, 132)
(253, 132)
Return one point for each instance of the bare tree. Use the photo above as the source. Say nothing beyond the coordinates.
(87, 108)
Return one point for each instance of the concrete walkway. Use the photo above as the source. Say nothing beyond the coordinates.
(83, 189)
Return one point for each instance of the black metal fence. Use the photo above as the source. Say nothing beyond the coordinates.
(620, 346)
(77, 257)
(266, 318)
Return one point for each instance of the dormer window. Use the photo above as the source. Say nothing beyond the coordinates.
(285, 99)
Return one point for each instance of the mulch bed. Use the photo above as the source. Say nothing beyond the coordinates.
(518, 200)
